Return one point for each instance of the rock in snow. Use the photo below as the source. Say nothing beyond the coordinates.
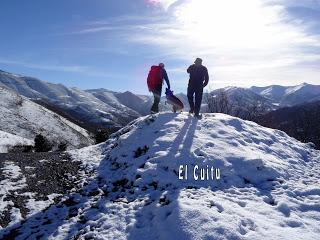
(268, 186)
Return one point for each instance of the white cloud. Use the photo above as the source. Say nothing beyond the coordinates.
(313, 4)
(93, 30)
(241, 42)
(85, 70)
(164, 3)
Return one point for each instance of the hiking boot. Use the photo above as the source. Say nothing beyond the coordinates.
(198, 116)
(191, 112)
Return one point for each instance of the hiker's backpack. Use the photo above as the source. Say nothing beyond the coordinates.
(154, 78)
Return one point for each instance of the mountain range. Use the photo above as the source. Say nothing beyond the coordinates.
(102, 108)
(291, 95)
(274, 96)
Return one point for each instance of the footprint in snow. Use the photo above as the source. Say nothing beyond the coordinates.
(293, 223)
(199, 153)
(222, 132)
(168, 214)
(210, 144)
(241, 203)
(217, 205)
(246, 225)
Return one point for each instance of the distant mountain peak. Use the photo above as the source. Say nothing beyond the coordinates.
(128, 92)
(10, 74)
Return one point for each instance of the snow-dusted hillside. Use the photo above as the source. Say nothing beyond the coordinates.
(268, 187)
(8, 140)
(24, 118)
(246, 96)
(102, 107)
(140, 104)
(104, 110)
(239, 101)
(126, 101)
(291, 95)
(274, 92)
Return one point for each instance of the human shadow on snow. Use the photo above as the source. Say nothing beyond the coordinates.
(87, 208)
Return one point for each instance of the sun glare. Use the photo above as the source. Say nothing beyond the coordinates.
(246, 41)
(230, 23)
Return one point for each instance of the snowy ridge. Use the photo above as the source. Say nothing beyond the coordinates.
(107, 108)
(25, 118)
(8, 140)
(104, 109)
(269, 185)
(245, 95)
(93, 106)
(290, 95)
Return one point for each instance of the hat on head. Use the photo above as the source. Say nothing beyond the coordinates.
(161, 65)
(198, 61)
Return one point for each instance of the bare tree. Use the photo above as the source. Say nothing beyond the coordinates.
(218, 102)
(254, 110)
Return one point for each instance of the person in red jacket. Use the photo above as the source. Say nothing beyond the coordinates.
(155, 81)
(199, 78)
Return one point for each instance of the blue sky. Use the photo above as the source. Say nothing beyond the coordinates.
(112, 43)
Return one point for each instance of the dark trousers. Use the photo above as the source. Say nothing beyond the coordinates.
(157, 97)
(195, 98)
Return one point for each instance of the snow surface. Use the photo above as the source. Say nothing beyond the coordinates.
(269, 186)
(22, 117)
(8, 140)
(12, 181)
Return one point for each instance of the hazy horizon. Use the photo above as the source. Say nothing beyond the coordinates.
(146, 92)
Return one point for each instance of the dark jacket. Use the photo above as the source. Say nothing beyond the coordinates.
(199, 76)
(165, 77)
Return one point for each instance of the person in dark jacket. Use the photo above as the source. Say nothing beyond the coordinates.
(199, 78)
(157, 91)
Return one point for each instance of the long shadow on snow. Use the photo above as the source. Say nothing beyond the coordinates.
(99, 194)
(164, 197)
(162, 207)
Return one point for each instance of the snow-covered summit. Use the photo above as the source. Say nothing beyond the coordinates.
(268, 186)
